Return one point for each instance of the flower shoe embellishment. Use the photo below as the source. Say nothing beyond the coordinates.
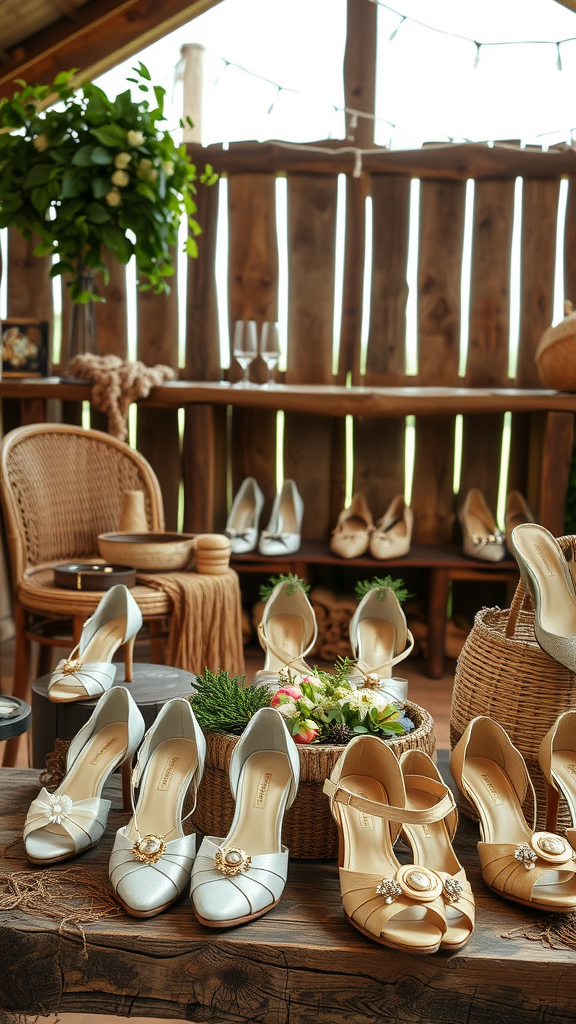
(69, 667)
(525, 855)
(149, 849)
(453, 890)
(60, 806)
(232, 862)
(552, 848)
(389, 889)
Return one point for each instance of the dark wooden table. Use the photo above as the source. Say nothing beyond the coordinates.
(301, 963)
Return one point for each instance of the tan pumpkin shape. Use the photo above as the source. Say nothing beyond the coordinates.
(556, 353)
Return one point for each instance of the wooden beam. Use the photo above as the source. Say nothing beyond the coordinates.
(103, 33)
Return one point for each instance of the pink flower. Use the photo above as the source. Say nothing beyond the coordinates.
(306, 733)
(287, 691)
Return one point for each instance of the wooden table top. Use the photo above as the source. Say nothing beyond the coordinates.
(302, 962)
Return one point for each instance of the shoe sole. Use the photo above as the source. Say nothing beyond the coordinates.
(534, 904)
(59, 860)
(236, 920)
(145, 913)
(392, 945)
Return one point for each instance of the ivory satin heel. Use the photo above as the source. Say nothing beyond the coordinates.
(242, 525)
(242, 876)
(287, 632)
(152, 858)
(283, 533)
(393, 532)
(536, 869)
(88, 671)
(481, 537)
(73, 818)
(431, 845)
(547, 577)
(397, 906)
(557, 759)
(380, 639)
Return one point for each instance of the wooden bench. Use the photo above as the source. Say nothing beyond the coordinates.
(300, 962)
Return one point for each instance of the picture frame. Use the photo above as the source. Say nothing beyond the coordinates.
(25, 347)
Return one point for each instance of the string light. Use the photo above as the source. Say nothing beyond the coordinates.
(477, 57)
(398, 26)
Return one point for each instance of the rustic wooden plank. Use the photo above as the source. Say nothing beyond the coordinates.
(253, 295)
(439, 281)
(204, 459)
(443, 160)
(312, 260)
(158, 436)
(379, 449)
(556, 458)
(29, 282)
(539, 219)
(487, 362)
(570, 244)
(111, 320)
(202, 334)
(353, 283)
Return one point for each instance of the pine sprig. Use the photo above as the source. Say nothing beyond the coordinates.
(397, 587)
(222, 703)
(294, 584)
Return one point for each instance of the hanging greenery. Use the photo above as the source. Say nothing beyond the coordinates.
(93, 173)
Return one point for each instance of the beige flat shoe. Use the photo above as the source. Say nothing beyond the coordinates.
(393, 533)
(481, 537)
(431, 845)
(351, 537)
(398, 906)
(536, 869)
(557, 758)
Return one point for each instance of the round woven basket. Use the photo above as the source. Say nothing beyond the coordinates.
(309, 829)
(502, 672)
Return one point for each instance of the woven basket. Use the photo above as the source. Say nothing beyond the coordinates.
(502, 672)
(309, 829)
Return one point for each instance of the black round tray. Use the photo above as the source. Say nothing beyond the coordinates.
(93, 576)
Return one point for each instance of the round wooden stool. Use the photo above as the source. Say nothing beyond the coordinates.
(17, 723)
(151, 687)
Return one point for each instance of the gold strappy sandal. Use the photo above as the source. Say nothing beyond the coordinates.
(401, 906)
(431, 845)
(536, 869)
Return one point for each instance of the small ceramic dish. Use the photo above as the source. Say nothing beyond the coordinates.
(148, 552)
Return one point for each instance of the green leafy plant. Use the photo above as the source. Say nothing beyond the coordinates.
(93, 173)
(380, 585)
(223, 703)
(294, 584)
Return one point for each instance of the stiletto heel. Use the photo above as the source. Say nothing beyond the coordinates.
(88, 671)
(126, 790)
(552, 801)
(62, 824)
(557, 759)
(128, 658)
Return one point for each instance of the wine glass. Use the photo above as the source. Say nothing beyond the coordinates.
(270, 348)
(245, 346)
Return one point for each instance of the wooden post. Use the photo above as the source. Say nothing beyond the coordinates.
(192, 57)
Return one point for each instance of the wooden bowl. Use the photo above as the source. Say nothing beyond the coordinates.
(149, 552)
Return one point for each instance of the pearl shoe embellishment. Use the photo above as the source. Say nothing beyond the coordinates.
(389, 889)
(60, 805)
(149, 849)
(232, 862)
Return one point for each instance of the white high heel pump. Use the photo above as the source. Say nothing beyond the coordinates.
(88, 671)
(287, 633)
(69, 821)
(380, 638)
(282, 535)
(242, 876)
(152, 858)
(244, 518)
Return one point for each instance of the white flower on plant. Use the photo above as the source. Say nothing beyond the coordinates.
(134, 138)
(306, 704)
(120, 178)
(41, 142)
(113, 197)
(122, 160)
(146, 171)
(168, 166)
(288, 710)
(363, 701)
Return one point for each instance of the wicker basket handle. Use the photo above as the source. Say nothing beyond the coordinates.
(523, 598)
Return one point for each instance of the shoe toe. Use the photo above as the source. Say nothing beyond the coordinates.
(221, 901)
(147, 890)
(44, 845)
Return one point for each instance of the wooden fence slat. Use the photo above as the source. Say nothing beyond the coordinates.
(488, 345)
(202, 333)
(308, 440)
(570, 244)
(111, 322)
(253, 295)
(157, 430)
(29, 282)
(439, 283)
(379, 446)
(539, 221)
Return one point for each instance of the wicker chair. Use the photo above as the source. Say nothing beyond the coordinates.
(60, 487)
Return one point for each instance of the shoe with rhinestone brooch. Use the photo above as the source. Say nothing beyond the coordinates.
(431, 845)
(536, 869)
(401, 906)
(152, 858)
(73, 818)
(242, 876)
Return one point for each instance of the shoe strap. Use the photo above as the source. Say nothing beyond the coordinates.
(367, 669)
(297, 664)
(401, 815)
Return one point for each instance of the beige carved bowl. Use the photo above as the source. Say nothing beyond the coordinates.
(149, 552)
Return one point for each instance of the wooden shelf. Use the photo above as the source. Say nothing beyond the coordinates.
(420, 556)
(328, 400)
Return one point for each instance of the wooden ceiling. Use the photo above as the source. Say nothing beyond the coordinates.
(39, 38)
